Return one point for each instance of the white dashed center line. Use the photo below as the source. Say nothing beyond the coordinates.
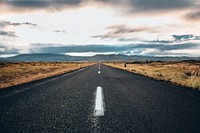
(99, 72)
(99, 103)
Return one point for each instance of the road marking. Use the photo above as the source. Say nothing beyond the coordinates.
(99, 72)
(99, 103)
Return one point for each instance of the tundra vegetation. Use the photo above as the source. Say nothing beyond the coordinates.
(22, 72)
(185, 73)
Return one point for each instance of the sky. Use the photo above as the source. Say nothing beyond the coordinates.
(90, 27)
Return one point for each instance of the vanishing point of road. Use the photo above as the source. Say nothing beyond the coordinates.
(99, 99)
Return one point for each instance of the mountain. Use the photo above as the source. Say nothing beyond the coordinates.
(67, 58)
(111, 57)
(133, 58)
(43, 58)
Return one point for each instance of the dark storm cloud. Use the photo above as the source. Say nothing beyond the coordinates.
(7, 23)
(129, 5)
(164, 47)
(177, 46)
(27, 3)
(182, 37)
(8, 33)
(177, 38)
(185, 37)
(79, 48)
(161, 4)
(160, 41)
(39, 4)
(151, 5)
(136, 48)
(110, 48)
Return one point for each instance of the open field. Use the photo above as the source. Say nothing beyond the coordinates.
(18, 73)
(181, 73)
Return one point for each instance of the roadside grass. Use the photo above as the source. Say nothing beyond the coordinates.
(181, 73)
(22, 72)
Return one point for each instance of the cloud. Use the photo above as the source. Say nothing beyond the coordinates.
(185, 37)
(129, 49)
(195, 15)
(197, 37)
(117, 31)
(160, 41)
(130, 6)
(125, 33)
(182, 37)
(7, 23)
(8, 33)
(8, 50)
(155, 52)
(161, 4)
(25, 23)
(110, 48)
(76, 48)
(4, 23)
(60, 31)
(30, 5)
(150, 5)
(164, 47)
(177, 46)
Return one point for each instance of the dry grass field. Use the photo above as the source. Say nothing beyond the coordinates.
(181, 73)
(18, 73)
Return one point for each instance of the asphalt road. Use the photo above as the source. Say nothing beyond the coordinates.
(132, 104)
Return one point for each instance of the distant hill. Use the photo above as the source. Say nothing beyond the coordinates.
(42, 58)
(111, 57)
(133, 58)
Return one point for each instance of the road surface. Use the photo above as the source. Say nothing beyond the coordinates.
(99, 99)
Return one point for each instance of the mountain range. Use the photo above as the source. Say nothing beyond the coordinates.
(103, 58)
